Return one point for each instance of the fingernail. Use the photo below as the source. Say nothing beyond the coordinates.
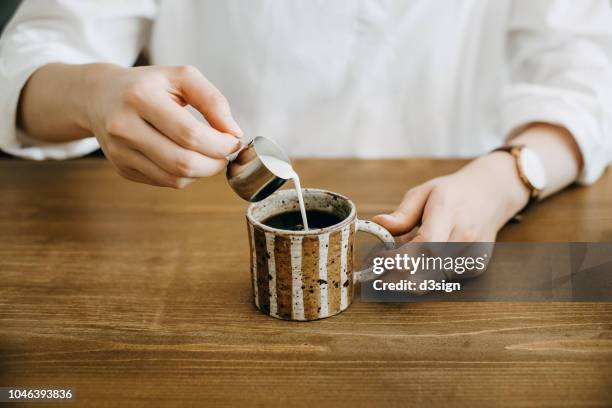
(236, 146)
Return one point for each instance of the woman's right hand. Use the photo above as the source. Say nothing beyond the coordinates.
(138, 116)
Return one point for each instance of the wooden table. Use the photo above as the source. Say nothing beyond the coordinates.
(141, 296)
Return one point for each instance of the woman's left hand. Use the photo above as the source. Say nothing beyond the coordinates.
(470, 205)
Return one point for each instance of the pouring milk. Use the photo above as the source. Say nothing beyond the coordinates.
(284, 170)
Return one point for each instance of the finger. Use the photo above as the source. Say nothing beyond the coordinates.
(113, 153)
(467, 233)
(149, 170)
(135, 176)
(436, 225)
(407, 237)
(200, 93)
(408, 213)
(174, 159)
(184, 129)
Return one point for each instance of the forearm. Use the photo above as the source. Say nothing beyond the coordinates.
(558, 151)
(52, 103)
(497, 171)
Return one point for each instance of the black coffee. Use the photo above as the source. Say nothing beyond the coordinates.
(292, 220)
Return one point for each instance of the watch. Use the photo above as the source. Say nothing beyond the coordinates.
(530, 170)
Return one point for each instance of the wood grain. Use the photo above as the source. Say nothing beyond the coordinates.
(142, 296)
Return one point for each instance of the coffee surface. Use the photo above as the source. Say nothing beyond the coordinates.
(292, 220)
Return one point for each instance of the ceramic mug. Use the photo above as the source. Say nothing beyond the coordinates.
(305, 275)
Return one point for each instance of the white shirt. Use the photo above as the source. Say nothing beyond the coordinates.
(360, 78)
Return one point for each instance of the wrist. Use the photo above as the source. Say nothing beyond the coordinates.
(91, 84)
(515, 194)
(499, 174)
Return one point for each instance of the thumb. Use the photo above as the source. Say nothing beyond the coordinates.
(200, 93)
(408, 213)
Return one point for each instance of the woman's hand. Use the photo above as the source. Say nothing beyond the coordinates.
(470, 205)
(138, 116)
(139, 119)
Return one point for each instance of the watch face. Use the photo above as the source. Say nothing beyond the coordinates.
(532, 168)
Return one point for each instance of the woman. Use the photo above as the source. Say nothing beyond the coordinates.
(342, 78)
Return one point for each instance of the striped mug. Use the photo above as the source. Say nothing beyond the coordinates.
(305, 275)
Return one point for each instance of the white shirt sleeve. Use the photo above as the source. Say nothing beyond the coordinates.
(66, 31)
(561, 72)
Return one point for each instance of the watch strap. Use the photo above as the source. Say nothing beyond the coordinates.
(534, 193)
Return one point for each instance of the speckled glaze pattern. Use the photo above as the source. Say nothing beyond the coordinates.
(299, 275)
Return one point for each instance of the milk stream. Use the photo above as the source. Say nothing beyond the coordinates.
(298, 189)
(284, 170)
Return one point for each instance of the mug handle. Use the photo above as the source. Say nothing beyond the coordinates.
(379, 232)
